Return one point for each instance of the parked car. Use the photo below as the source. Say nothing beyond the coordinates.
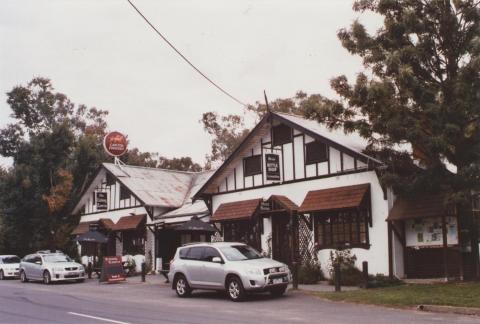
(9, 266)
(232, 267)
(49, 267)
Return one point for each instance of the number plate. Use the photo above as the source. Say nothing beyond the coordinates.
(277, 280)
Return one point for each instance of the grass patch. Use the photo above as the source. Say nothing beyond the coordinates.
(451, 294)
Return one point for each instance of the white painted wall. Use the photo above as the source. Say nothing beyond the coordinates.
(377, 255)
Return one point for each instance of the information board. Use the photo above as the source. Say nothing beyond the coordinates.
(272, 162)
(112, 270)
(101, 200)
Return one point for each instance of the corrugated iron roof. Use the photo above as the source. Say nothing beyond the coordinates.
(334, 198)
(157, 187)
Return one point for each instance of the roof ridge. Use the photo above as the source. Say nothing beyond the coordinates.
(158, 169)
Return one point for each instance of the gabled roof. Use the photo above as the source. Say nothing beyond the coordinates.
(153, 187)
(352, 143)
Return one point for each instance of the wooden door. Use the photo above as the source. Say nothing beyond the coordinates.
(281, 237)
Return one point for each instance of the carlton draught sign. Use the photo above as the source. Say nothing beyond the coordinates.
(115, 144)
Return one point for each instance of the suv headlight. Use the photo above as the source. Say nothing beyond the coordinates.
(257, 272)
(81, 268)
(283, 269)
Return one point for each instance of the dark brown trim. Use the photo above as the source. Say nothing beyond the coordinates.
(341, 161)
(323, 176)
(293, 156)
(235, 178)
(304, 158)
(106, 211)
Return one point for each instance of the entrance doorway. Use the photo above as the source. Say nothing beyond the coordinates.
(281, 237)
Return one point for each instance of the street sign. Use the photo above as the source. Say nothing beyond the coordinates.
(112, 270)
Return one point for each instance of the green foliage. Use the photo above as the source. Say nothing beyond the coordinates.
(349, 274)
(56, 148)
(419, 90)
(309, 274)
(380, 280)
(451, 294)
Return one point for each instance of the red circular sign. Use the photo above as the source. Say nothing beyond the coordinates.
(115, 143)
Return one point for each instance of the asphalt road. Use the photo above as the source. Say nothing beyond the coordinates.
(155, 302)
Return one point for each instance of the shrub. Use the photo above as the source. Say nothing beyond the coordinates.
(380, 280)
(309, 274)
(349, 274)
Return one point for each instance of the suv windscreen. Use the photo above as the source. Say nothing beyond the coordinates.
(240, 253)
(10, 260)
(56, 258)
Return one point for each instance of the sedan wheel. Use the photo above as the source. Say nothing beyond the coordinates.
(46, 278)
(23, 276)
(235, 289)
(1, 275)
(181, 287)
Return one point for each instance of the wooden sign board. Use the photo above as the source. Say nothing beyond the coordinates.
(101, 200)
(272, 162)
(112, 270)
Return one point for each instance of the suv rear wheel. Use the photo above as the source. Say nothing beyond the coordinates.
(235, 289)
(182, 287)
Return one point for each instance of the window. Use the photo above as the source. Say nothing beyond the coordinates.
(342, 229)
(110, 180)
(124, 193)
(195, 253)
(316, 152)
(183, 253)
(209, 253)
(282, 134)
(252, 165)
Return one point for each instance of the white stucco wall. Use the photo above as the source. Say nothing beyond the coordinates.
(377, 255)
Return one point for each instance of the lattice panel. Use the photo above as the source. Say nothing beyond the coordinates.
(306, 242)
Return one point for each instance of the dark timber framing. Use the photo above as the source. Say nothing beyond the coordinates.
(268, 118)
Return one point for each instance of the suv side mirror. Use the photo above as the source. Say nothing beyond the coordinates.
(217, 259)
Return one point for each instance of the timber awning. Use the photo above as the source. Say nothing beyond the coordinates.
(129, 222)
(334, 198)
(81, 228)
(284, 202)
(236, 210)
(421, 207)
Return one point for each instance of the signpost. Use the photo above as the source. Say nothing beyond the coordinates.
(115, 144)
(272, 166)
(112, 270)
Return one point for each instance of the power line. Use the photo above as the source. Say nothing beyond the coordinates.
(183, 56)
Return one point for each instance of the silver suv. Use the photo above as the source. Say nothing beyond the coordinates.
(232, 267)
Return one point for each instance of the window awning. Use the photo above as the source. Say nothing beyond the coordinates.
(236, 210)
(284, 202)
(81, 228)
(129, 222)
(106, 223)
(420, 207)
(334, 198)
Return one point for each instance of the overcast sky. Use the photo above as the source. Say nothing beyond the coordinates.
(101, 53)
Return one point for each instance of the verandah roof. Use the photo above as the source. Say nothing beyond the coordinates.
(334, 198)
(236, 210)
(420, 207)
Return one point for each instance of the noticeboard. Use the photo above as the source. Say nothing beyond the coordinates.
(112, 270)
(272, 162)
(101, 200)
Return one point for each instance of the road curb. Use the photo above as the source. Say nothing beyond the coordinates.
(449, 309)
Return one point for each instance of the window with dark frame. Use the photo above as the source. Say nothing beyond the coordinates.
(124, 193)
(252, 165)
(346, 228)
(282, 134)
(316, 152)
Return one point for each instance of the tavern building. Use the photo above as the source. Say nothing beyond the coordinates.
(290, 169)
(140, 209)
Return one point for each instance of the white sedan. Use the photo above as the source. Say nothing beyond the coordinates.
(9, 266)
